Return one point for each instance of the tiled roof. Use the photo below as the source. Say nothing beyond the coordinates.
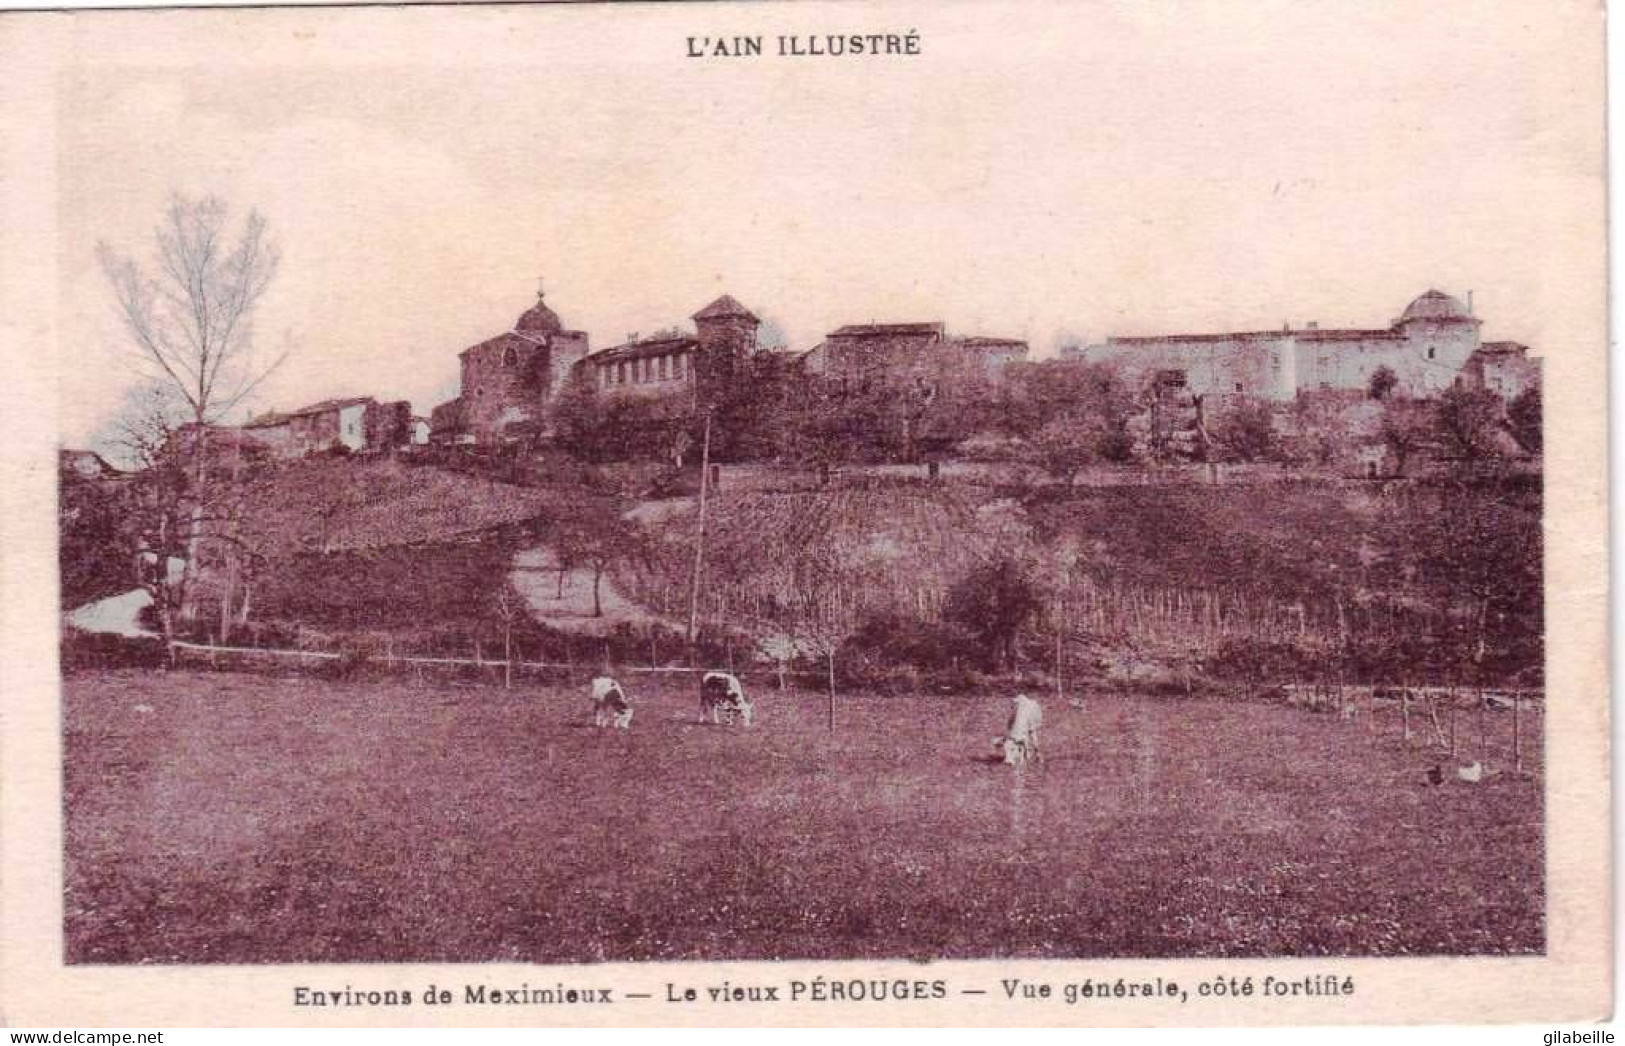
(329, 405)
(1348, 334)
(1151, 339)
(1304, 334)
(876, 330)
(977, 342)
(722, 308)
(1436, 305)
(634, 350)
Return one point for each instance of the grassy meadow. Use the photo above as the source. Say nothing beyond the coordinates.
(234, 818)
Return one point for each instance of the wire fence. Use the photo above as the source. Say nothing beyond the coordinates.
(1499, 729)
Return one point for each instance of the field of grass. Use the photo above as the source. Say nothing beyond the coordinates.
(220, 818)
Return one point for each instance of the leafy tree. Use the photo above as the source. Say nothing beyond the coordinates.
(1406, 429)
(1038, 393)
(577, 415)
(1468, 423)
(1065, 446)
(1481, 547)
(1525, 414)
(93, 562)
(1383, 382)
(1246, 432)
(591, 531)
(832, 422)
(750, 409)
(991, 603)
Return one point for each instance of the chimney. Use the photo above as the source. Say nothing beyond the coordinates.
(1469, 303)
(1314, 325)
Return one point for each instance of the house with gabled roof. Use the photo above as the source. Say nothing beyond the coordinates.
(354, 423)
(910, 353)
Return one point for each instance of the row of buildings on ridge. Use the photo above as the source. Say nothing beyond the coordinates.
(510, 383)
(1434, 344)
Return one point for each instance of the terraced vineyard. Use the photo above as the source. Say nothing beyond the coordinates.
(795, 561)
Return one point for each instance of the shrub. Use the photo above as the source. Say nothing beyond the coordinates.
(990, 604)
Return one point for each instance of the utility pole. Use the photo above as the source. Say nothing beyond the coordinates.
(699, 543)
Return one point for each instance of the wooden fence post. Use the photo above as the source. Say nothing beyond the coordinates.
(1483, 725)
(832, 688)
(1517, 734)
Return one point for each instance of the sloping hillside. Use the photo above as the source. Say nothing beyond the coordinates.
(355, 543)
(1439, 579)
(837, 555)
(349, 505)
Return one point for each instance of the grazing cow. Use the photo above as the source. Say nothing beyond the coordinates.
(610, 705)
(721, 697)
(1020, 740)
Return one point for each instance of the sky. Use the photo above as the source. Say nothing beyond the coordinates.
(1042, 171)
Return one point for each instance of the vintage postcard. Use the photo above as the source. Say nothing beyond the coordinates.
(835, 513)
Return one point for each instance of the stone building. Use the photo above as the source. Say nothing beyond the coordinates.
(358, 424)
(509, 381)
(677, 363)
(1503, 367)
(1427, 347)
(908, 354)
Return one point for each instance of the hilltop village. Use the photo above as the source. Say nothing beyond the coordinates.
(914, 392)
(899, 505)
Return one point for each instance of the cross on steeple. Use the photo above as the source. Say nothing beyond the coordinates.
(540, 293)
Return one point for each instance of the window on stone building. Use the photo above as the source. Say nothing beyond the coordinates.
(1431, 351)
(510, 358)
(1238, 386)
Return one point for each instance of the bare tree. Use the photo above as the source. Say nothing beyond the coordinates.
(189, 315)
(170, 521)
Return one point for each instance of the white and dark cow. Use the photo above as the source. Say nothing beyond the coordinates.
(722, 697)
(610, 705)
(1020, 740)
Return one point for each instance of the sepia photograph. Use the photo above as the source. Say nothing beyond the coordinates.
(565, 485)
